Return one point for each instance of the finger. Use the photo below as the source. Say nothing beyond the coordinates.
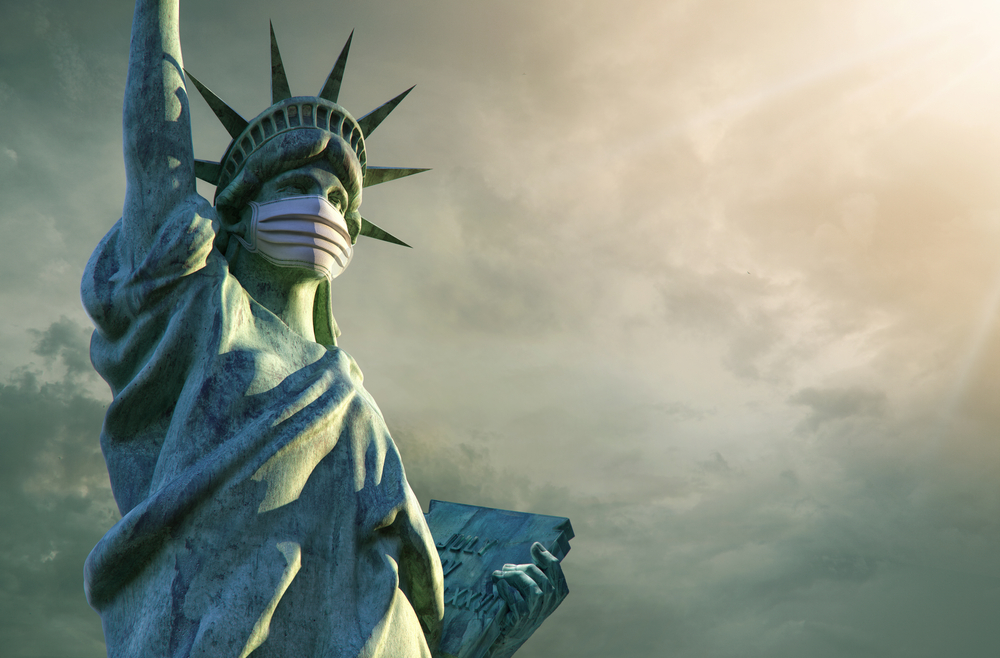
(541, 556)
(534, 585)
(515, 603)
(558, 579)
(524, 584)
(559, 589)
(538, 576)
(506, 594)
(550, 564)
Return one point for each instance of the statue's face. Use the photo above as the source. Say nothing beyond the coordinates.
(313, 162)
(316, 179)
(323, 178)
(307, 162)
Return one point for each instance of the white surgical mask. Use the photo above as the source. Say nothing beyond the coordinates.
(300, 231)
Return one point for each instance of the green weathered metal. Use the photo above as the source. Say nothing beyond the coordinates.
(256, 478)
(279, 81)
(230, 118)
(370, 121)
(371, 231)
(288, 113)
(376, 175)
(331, 89)
(207, 171)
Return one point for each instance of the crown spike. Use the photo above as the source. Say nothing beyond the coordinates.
(279, 81)
(370, 121)
(376, 175)
(231, 120)
(208, 171)
(331, 88)
(370, 230)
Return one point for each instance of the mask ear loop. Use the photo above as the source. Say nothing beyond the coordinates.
(251, 231)
(229, 205)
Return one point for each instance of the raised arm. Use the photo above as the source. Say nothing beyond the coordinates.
(159, 157)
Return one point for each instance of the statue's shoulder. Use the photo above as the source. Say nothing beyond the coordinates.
(352, 376)
(129, 273)
(346, 364)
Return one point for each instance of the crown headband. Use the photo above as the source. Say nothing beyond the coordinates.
(288, 113)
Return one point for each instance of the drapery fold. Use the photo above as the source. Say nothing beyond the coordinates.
(236, 449)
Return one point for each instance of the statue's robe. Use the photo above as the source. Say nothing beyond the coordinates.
(265, 508)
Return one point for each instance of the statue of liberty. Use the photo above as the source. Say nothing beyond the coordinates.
(265, 508)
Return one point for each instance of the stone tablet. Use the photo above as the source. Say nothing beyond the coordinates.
(473, 542)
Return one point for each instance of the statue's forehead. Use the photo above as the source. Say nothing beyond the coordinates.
(321, 171)
(330, 154)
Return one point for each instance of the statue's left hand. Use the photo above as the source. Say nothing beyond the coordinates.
(531, 591)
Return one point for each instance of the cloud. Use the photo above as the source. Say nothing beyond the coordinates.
(64, 53)
(67, 341)
(55, 502)
(695, 275)
(827, 405)
(814, 548)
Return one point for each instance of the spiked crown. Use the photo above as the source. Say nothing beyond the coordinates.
(288, 113)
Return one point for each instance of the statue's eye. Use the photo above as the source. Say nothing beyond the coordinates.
(294, 187)
(336, 200)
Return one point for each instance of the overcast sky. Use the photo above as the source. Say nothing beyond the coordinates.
(717, 280)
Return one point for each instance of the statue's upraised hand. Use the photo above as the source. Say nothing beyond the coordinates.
(532, 592)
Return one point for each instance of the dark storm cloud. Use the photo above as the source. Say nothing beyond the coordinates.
(55, 502)
(69, 343)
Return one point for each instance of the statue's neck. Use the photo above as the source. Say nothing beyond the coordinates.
(288, 292)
